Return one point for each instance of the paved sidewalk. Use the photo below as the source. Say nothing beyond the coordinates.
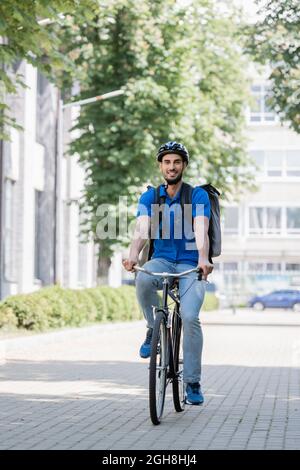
(88, 390)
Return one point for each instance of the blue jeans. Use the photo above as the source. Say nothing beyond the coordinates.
(191, 294)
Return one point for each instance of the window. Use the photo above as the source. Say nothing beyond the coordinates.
(231, 220)
(260, 110)
(293, 163)
(263, 267)
(256, 267)
(230, 266)
(41, 111)
(10, 230)
(293, 220)
(274, 162)
(273, 220)
(38, 235)
(273, 267)
(82, 254)
(292, 267)
(256, 224)
(258, 157)
(265, 220)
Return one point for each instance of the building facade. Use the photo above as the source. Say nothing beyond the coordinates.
(40, 192)
(261, 233)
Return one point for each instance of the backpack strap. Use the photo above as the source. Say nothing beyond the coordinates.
(158, 201)
(186, 198)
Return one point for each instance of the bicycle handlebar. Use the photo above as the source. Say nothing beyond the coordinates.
(165, 274)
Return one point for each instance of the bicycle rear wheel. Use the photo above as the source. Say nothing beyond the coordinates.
(158, 368)
(178, 384)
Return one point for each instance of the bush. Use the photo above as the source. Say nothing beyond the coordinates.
(55, 307)
(211, 302)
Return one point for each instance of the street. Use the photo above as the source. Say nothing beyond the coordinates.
(88, 390)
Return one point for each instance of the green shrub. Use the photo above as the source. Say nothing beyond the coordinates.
(55, 307)
(211, 302)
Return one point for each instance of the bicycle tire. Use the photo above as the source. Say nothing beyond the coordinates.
(158, 368)
(178, 384)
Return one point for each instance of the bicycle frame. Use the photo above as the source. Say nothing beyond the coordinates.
(164, 359)
(165, 309)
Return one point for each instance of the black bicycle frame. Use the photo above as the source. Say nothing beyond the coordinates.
(167, 292)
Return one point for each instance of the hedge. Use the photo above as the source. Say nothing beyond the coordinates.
(211, 302)
(55, 307)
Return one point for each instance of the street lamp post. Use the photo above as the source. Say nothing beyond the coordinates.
(58, 230)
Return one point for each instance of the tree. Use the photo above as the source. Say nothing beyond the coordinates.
(182, 75)
(25, 35)
(274, 40)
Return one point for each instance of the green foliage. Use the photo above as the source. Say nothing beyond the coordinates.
(182, 74)
(181, 70)
(275, 40)
(24, 36)
(55, 307)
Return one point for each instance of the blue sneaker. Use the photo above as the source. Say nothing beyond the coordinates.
(145, 350)
(193, 394)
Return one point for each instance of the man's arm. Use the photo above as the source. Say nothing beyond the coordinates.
(201, 224)
(140, 236)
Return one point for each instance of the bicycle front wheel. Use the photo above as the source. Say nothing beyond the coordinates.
(158, 368)
(178, 384)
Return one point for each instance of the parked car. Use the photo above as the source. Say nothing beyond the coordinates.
(277, 299)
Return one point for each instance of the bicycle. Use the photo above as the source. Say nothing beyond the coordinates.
(166, 360)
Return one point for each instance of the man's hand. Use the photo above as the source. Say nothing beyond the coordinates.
(206, 268)
(129, 264)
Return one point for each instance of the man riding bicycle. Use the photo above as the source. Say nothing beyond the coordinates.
(175, 254)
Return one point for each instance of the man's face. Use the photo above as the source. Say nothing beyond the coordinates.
(172, 168)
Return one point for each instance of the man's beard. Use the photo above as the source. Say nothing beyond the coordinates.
(172, 181)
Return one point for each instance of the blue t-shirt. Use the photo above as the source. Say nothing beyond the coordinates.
(178, 243)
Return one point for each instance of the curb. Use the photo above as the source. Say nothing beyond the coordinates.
(10, 345)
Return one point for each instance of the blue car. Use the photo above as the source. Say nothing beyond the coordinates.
(277, 299)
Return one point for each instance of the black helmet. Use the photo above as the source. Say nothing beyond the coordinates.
(173, 147)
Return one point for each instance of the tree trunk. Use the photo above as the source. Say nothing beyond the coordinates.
(104, 263)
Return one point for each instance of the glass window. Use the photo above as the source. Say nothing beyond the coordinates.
(273, 219)
(10, 230)
(256, 224)
(292, 267)
(268, 113)
(293, 219)
(257, 267)
(265, 220)
(260, 110)
(41, 100)
(38, 235)
(293, 163)
(230, 266)
(273, 266)
(231, 220)
(274, 162)
(258, 157)
(82, 253)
